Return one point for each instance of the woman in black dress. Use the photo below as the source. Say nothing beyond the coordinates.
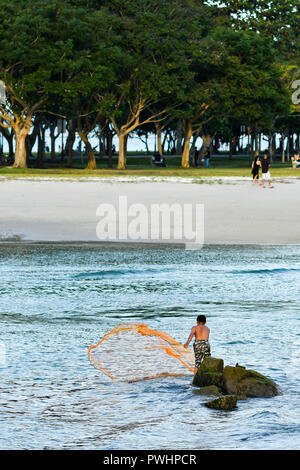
(255, 169)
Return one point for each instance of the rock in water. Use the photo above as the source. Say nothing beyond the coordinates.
(241, 381)
(209, 373)
(234, 380)
(211, 364)
(210, 390)
(228, 402)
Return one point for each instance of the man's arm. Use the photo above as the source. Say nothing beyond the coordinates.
(190, 337)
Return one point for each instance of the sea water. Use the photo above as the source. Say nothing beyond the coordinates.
(55, 300)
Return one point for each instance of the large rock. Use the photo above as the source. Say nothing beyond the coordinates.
(228, 402)
(234, 380)
(209, 373)
(246, 382)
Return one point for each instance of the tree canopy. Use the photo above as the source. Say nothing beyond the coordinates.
(118, 65)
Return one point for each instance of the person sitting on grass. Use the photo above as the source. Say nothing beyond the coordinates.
(201, 345)
(296, 160)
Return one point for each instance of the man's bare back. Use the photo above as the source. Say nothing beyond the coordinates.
(201, 332)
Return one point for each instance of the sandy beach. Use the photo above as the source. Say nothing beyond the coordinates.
(65, 210)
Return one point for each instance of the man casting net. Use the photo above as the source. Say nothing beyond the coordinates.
(133, 352)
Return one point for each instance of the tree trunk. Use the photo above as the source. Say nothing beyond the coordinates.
(92, 165)
(101, 142)
(207, 140)
(271, 146)
(185, 158)
(146, 144)
(126, 140)
(109, 138)
(41, 146)
(231, 148)
(163, 142)
(292, 144)
(9, 137)
(249, 144)
(256, 140)
(10, 142)
(122, 151)
(252, 147)
(71, 140)
(159, 129)
(234, 144)
(20, 153)
(282, 150)
(53, 138)
(91, 155)
(31, 138)
(159, 140)
(193, 147)
(178, 137)
(288, 147)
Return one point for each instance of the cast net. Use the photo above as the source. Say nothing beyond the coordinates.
(133, 352)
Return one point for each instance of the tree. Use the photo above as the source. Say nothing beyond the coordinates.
(88, 73)
(151, 67)
(235, 75)
(25, 66)
(39, 62)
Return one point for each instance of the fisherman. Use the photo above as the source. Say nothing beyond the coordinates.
(201, 345)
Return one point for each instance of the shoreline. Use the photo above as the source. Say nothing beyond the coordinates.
(140, 179)
(64, 211)
(116, 246)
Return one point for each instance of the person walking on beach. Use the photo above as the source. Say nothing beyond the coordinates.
(201, 345)
(255, 169)
(265, 165)
(206, 158)
(196, 157)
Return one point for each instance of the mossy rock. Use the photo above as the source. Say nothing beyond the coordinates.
(205, 379)
(228, 402)
(210, 390)
(212, 364)
(209, 373)
(247, 382)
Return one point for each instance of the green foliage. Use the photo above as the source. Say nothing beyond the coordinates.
(278, 20)
(208, 62)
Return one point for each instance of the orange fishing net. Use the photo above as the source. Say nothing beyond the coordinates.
(132, 352)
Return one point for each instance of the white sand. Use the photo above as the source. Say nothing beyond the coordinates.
(65, 210)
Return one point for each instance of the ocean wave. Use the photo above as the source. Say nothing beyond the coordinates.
(265, 271)
(116, 273)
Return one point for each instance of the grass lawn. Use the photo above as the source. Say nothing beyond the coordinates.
(140, 166)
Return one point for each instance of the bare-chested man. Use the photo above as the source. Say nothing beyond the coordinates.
(201, 344)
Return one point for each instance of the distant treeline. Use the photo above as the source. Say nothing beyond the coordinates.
(180, 69)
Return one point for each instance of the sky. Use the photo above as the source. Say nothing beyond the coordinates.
(134, 144)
